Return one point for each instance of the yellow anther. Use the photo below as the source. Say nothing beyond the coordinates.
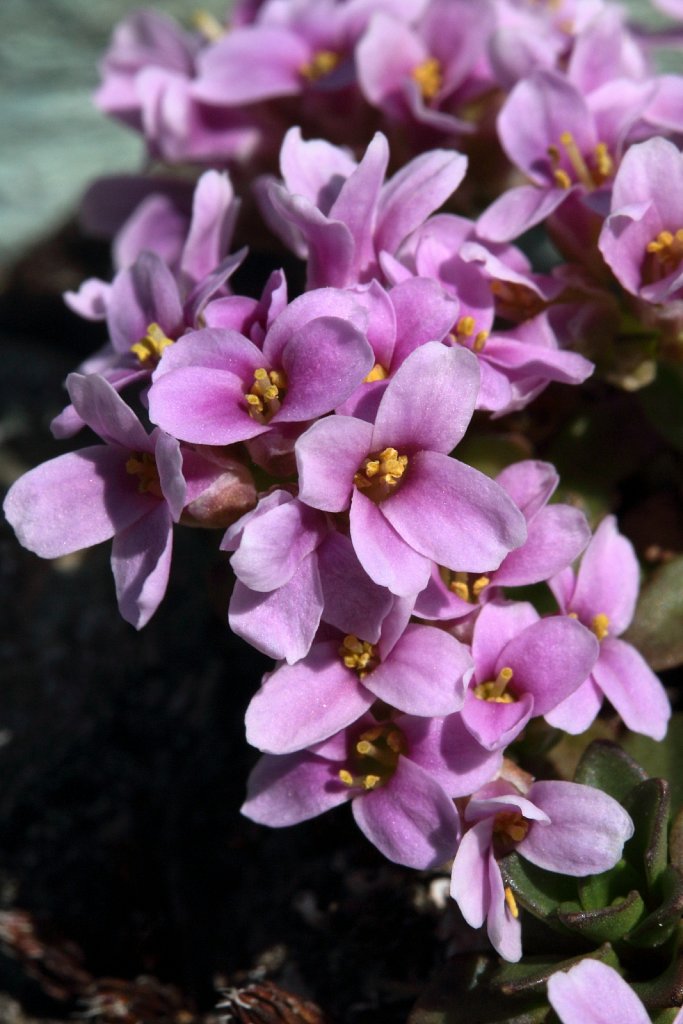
(320, 64)
(572, 615)
(460, 590)
(511, 902)
(149, 348)
(429, 77)
(480, 340)
(562, 178)
(380, 473)
(359, 656)
(667, 248)
(371, 781)
(602, 165)
(465, 326)
(600, 626)
(511, 825)
(142, 465)
(376, 373)
(495, 690)
(463, 586)
(346, 777)
(264, 396)
(208, 25)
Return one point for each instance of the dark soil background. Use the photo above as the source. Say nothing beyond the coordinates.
(123, 767)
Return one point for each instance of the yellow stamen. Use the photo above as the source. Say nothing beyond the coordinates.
(376, 373)
(602, 165)
(375, 754)
(320, 64)
(562, 178)
(667, 249)
(265, 395)
(495, 690)
(142, 465)
(465, 326)
(429, 77)
(511, 825)
(380, 473)
(461, 584)
(208, 25)
(480, 340)
(511, 901)
(359, 656)
(600, 626)
(149, 348)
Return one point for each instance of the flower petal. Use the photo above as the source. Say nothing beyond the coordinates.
(454, 515)
(632, 688)
(593, 993)
(410, 819)
(284, 790)
(586, 832)
(302, 704)
(424, 674)
(429, 401)
(140, 561)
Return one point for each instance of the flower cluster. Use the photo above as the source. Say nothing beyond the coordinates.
(376, 568)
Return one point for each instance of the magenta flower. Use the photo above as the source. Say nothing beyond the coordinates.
(560, 826)
(602, 595)
(591, 992)
(556, 535)
(400, 774)
(642, 239)
(292, 572)
(524, 666)
(132, 488)
(410, 504)
(420, 670)
(424, 74)
(339, 215)
(565, 143)
(217, 387)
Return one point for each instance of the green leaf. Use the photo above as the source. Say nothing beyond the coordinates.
(676, 842)
(597, 891)
(658, 926)
(663, 991)
(607, 767)
(649, 806)
(663, 759)
(461, 994)
(536, 890)
(663, 401)
(607, 924)
(656, 627)
(531, 974)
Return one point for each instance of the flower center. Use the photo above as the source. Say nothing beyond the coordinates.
(320, 64)
(358, 655)
(600, 625)
(375, 754)
(465, 585)
(495, 690)
(429, 78)
(463, 334)
(577, 170)
(142, 465)
(264, 397)
(666, 251)
(149, 349)
(378, 372)
(379, 473)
